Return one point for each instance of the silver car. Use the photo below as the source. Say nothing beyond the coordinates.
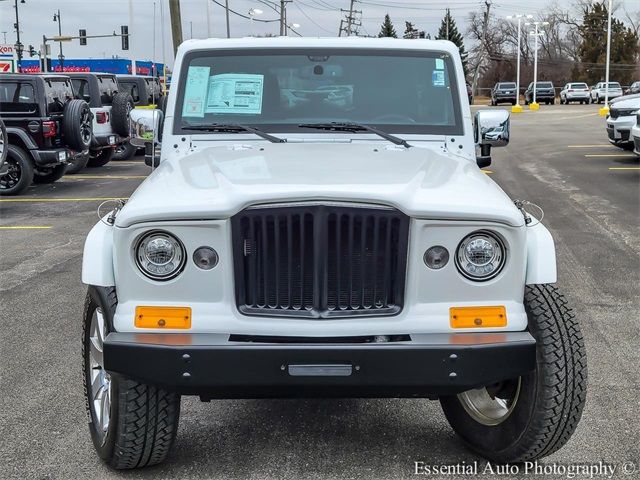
(574, 92)
(598, 91)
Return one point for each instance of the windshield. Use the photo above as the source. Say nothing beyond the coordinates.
(277, 90)
(507, 86)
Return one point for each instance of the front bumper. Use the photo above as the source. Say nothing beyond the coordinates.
(619, 129)
(213, 366)
(106, 141)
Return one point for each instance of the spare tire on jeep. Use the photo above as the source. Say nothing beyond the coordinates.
(77, 125)
(121, 107)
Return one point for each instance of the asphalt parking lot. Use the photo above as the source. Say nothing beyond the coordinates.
(559, 158)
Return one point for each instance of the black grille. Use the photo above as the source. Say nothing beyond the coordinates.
(320, 261)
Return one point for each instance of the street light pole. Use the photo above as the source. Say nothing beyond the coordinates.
(56, 18)
(253, 12)
(18, 44)
(605, 110)
(517, 108)
(534, 105)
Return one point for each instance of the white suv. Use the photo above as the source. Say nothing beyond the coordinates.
(319, 225)
(621, 119)
(598, 92)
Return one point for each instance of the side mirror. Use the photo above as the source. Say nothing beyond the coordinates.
(144, 126)
(491, 129)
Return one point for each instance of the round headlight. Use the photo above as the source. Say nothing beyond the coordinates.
(160, 255)
(480, 256)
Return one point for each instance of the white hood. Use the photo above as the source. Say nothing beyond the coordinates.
(219, 181)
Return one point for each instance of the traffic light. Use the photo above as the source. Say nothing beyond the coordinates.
(32, 51)
(124, 30)
(83, 36)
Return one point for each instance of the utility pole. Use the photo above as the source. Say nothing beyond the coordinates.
(485, 26)
(209, 33)
(351, 21)
(57, 18)
(226, 11)
(176, 24)
(134, 68)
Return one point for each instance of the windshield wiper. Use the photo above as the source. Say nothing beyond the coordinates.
(356, 127)
(235, 128)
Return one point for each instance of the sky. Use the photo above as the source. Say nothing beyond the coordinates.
(315, 17)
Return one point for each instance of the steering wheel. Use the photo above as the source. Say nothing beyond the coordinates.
(394, 118)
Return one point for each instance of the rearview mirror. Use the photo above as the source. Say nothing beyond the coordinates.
(491, 129)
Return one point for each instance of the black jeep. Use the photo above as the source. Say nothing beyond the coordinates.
(146, 93)
(110, 110)
(46, 128)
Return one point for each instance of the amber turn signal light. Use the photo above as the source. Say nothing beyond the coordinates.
(477, 317)
(163, 317)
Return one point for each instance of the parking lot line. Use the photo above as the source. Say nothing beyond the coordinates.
(589, 146)
(25, 227)
(624, 168)
(577, 116)
(36, 199)
(619, 155)
(98, 177)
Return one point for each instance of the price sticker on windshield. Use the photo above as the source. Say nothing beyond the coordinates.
(196, 91)
(437, 78)
(235, 93)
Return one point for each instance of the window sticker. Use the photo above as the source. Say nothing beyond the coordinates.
(235, 93)
(437, 78)
(439, 64)
(196, 91)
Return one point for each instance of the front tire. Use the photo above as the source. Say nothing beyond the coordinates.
(533, 416)
(132, 425)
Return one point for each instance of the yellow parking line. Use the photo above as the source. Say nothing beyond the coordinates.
(624, 168)
(25, 227)
(589, 146)
(97, 177)
(35, 199)
(619, 155)
(577, 116)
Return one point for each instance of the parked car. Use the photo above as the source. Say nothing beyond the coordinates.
(545, 92)
(46, 127)
(350, 264)
(635, 134)
(621, 119)
(110, 111)
(470, 94)
(598, 91)
(147, 93)
(574, 92)
(504, 92)
(633, 89)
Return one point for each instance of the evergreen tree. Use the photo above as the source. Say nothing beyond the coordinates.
(593, 47)
(412, 32)
(449, 31)
(387, 29)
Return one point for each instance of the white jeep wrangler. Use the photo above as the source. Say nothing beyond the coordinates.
(318, 225)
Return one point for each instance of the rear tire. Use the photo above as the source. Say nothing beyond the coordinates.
(547, 404)
(132, 425)
(124, 151)
(20, 171)
(49, 175)
(77, 125)
(99, 158)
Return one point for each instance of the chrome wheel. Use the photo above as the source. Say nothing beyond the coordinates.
(100, 386)
(491, 405)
